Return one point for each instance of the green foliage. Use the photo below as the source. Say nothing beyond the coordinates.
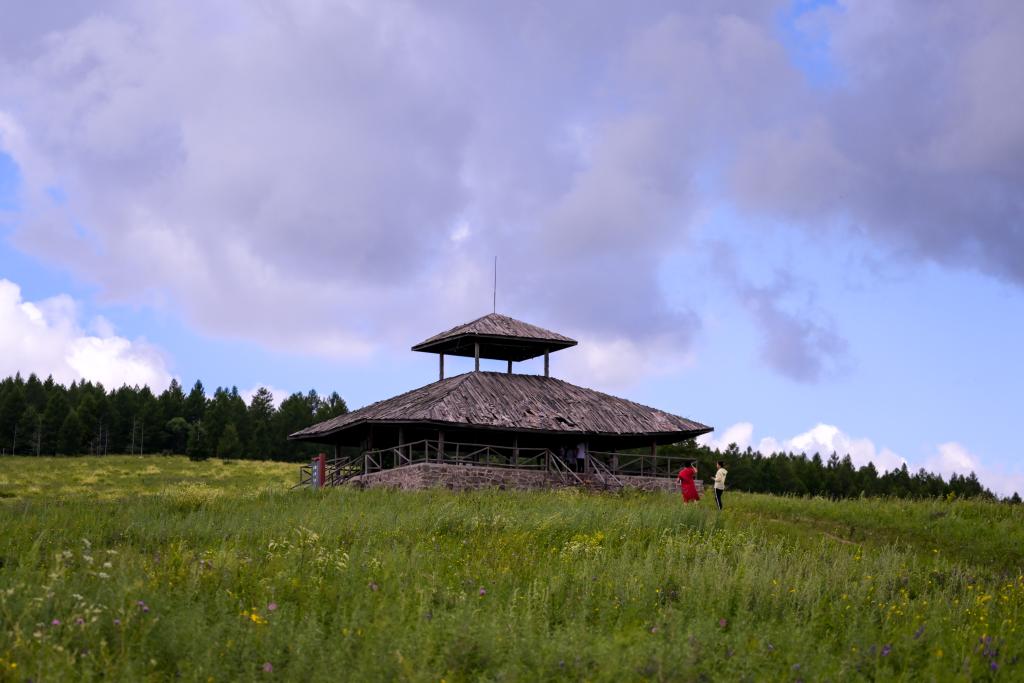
(229, 446)
(143, 554)
(199, 446)
(69, 439)
(133, 419)
(177, 430)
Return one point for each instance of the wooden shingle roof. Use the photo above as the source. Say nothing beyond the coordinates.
(531, 403)
(499, 337)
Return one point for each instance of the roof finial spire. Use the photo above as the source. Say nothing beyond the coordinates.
(495, 301)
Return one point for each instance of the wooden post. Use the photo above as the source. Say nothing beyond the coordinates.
(321, 469)
(476, 353)
(515, 446)
(441, 356)
(654, 459)
(546, 364)
(510, 367)
(398, 451)
(440, 445)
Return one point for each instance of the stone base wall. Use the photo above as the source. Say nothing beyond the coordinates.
(475, 477)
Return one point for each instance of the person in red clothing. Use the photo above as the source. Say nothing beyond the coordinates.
(687, 484)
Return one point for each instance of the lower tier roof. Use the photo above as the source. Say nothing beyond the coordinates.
(508, 402)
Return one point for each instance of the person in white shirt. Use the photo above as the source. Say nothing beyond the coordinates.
(720, 482)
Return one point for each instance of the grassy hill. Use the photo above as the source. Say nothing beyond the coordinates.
(154, 568)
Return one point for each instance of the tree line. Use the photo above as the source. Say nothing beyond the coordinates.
(43, 417)
(833, 476)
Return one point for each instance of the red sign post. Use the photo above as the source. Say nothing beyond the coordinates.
(320, 469)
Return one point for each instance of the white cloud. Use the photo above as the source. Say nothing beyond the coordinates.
(278, 394)
(611, 364)
(44, 337)
(953, 458)
(949, 458)
(823, 439)
(741, 434)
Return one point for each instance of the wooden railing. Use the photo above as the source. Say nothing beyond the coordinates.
(640, 464)
(604, 467)
(457, 453)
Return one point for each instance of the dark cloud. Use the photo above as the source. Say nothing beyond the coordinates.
(318, 176)
(919, 144)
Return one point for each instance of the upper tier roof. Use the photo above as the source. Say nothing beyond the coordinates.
(496, 400)
(500, 337)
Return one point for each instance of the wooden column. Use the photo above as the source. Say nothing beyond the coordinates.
(510, 367)
(440, 445)
(476, 354)
(400, 450)
(547, 364)
(441, 357)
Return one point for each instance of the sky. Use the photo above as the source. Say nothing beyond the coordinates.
(799, 222)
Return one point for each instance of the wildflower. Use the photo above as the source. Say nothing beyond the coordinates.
(142, 605)
(483, 592)
(271, 607)
(117, 622)
(103, 575)
(256, 618)
(722, 623)
(886, 649)
(654, 629)
(374, 586)
(55, 622)
(993, 665)
(918, 632)
(268, 667)
(79, 621)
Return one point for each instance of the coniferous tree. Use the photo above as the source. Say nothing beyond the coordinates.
(198, 447)
(53, 417)
(177, 430)
(229, 446)
(69, 439)
(195, 403)
(261, 424)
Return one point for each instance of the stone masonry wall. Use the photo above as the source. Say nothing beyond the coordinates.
(475, 477)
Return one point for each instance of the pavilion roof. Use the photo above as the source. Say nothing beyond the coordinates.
(499, 336)
(532, 403)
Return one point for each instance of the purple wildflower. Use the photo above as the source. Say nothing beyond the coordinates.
(886, 649)
(271, 607)
(722, 623)
(918, 632)
(142, 605)
(55, 622)
(268, 667)
(117, 622)
(993, 665)
(79, 621)
(374, 586)
(483, 591)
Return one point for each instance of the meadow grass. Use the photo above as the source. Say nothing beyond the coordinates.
(157, 568)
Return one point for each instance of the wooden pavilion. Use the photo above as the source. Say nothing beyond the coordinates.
(560, 432)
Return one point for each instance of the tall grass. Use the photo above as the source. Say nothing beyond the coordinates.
(217, 571)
